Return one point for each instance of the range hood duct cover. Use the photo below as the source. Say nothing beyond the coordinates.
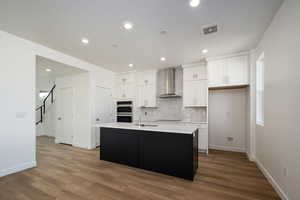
(169, 84)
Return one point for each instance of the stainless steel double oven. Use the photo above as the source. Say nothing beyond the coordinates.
(124, 111)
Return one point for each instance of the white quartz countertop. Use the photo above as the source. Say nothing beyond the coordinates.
(168, 128)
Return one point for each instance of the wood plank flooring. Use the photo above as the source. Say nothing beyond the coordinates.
(69, 173)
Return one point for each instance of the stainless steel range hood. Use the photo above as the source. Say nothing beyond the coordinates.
(169, 89)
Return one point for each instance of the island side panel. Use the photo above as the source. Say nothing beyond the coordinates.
(168, 153)
(120, 146)
(195, 150)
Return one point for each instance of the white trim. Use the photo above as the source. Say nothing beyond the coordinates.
(250, 157)
(272, 181)
(18, 168)
(198, 64)
(224, 148)
(245, 53)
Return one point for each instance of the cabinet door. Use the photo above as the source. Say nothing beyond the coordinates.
(147, 77)
(217, 73)
(120, 146)
(195, 73)
(167, 153)
(201, 93)
(238, 70)
(195, 93)
(150, 94)
(120, 91)
(203, 139)
(188, 93)
(125, 78)
(129, 91)
(147, 95)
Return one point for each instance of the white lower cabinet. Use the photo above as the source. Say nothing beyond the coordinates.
(203, 137)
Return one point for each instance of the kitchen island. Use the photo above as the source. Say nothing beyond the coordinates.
(167, 149)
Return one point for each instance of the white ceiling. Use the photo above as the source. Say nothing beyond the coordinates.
(57, 69)
(60, 24)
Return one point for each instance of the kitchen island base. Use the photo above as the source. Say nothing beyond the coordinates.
(174, 154)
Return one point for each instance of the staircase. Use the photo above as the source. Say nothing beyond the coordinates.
(42, 108)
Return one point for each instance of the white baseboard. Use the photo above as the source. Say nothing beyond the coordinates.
(224, 148)
(272, 181)
(250, 157)
(18, 168)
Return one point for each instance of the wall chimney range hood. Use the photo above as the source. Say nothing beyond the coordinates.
(169, 87)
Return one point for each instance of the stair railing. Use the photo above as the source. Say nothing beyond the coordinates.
(42, 108)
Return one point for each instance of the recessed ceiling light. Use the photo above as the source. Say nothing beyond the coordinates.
(84, 40)
(128, 25)
(162, 59)
(130, 65)
(48, 70)
(194, 3)
(204, 51)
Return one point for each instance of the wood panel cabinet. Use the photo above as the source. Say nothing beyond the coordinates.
(232, 71)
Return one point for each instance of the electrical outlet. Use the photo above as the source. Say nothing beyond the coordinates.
(230, 139)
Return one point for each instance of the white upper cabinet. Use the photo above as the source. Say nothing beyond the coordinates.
(238, 70)
(147, 88)
(195, 86)
(125, 86)
(232, 71)
(195, 93)
(147, 77)
(195, 73)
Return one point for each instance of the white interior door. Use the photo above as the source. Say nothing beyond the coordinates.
(66, 115)
(104, 108)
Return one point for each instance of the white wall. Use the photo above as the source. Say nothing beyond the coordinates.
(277, 143)
(17, 103)
(227, 118)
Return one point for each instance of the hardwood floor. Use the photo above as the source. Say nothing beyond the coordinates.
(69, 173)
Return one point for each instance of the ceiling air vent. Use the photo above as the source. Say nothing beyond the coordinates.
(210, 29)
